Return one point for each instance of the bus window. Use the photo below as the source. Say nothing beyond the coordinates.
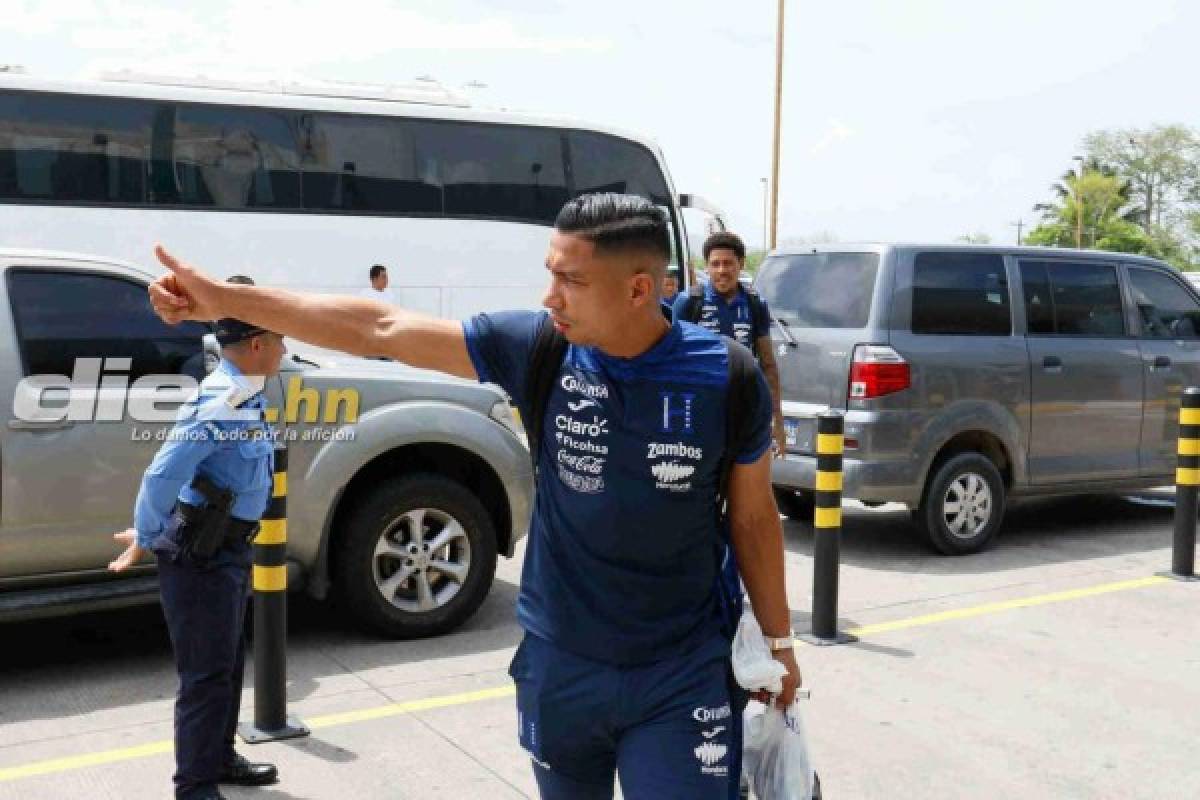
(497, 171)
(603, 163)
(364, 164)
(234, 158)
(73, 149)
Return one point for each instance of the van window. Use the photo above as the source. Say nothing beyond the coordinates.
(1165, 309)
(820, 290)
(960, 294)
(1072, 299)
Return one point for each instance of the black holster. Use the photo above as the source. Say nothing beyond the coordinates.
(207, 526)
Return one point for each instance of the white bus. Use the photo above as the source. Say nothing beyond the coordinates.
(308, 186)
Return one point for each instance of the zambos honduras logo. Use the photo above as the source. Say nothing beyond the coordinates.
(710, 753)
(672, 471)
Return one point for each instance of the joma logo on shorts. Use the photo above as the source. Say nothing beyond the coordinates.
(711, 714)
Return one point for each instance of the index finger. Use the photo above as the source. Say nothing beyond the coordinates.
(169, 261)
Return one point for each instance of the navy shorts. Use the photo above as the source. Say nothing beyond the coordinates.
(665, 728)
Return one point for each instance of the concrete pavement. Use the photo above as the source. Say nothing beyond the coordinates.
(1059, 672)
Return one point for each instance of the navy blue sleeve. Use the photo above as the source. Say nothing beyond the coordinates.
(500, 345)
(758, 427)
(762, 324)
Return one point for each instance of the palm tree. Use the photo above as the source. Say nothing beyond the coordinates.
(1090, 197)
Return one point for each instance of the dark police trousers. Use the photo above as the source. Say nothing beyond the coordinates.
(204, 602)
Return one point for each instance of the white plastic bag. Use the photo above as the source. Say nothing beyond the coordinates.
(775, 754)
(753, 666)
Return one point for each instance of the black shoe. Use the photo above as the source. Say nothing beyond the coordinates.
(244, 773)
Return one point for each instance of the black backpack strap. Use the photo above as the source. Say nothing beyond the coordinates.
(691, 311)
(758, 317)
(742, 367)
(545, 360)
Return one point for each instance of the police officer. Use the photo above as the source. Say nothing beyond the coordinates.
(199, 505)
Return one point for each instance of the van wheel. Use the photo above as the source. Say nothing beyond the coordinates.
(795, 504)
(417, 557)
(963, 505)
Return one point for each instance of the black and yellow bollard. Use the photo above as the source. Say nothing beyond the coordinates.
(1187, 486)
(271, 721)
(827, 531)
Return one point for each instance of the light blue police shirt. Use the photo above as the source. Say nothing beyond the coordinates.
(220, 434)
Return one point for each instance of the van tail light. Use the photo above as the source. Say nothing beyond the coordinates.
(877, 371)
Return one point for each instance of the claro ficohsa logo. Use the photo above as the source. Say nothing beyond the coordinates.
(99, 390)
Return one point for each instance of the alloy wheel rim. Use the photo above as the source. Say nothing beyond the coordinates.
(421, 560)
(967, 505)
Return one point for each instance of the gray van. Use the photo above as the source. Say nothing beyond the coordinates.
(971, 374)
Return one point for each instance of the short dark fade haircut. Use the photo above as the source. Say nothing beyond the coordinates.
(377, 270)
(241, 280)
(617, 222)
(724, 240)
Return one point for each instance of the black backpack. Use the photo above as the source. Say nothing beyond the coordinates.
(695, 301)
(549, 349)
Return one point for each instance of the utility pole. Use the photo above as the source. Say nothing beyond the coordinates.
(1079, 203)
(775, 138)
(765, 213)
(1019, 225)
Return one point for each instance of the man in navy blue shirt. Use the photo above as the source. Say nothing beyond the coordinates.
(723, 305)
(624, 666)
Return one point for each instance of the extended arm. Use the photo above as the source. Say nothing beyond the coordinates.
(352, 324)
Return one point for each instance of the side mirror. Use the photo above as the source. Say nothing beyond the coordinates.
(1183, 328)
(716, 217)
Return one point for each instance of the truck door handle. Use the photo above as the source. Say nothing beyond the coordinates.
(1052, 364)
(1161, 362)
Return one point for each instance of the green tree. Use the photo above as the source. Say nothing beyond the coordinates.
(1090, 203)
(754, 259)
(1162, 165)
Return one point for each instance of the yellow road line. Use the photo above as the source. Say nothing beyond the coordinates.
(86, 760)
(103, 757)
(69, 763)
(348, 717)
(1006, 605)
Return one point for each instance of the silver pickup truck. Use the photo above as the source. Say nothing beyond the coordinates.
(403, 485)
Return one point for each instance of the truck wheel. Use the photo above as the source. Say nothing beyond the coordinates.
(795, 504)
(417, 557)
(963, 505)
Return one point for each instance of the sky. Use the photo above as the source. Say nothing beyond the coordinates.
(902, 119)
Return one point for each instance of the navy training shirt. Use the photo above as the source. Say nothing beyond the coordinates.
(732, 318)
(625, 543)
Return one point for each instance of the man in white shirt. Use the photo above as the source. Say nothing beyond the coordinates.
(378, 289)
